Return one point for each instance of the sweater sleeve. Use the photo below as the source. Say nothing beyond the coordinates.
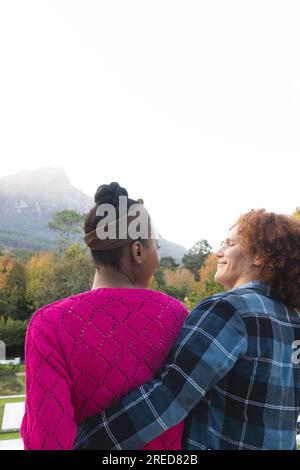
(48, 422)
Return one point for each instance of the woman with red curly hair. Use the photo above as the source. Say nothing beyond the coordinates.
(234, 372)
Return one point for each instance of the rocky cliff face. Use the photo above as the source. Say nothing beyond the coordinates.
(28, 201)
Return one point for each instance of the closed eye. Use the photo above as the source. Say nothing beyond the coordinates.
(227, 242)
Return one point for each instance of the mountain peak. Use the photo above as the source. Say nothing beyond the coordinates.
(46, 172)
(43, 184)
(38, 176)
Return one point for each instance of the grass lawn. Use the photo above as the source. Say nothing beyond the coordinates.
(21, 381)
(5, 436)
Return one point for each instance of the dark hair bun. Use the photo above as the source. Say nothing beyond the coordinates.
(109, 193)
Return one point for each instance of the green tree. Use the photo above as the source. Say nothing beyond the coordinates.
(66, 223)
(179, 293)
(159, 282)
(22, 255)
(208, 285)
(168, 262)
(39, 272)
(51, 278)
(73, 272)
(13, 332)
(12, 288)
(195, 257)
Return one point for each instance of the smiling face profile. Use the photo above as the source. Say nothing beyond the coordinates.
(235, 266)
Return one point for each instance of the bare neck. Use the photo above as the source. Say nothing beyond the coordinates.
(106, 276)
(248, 277)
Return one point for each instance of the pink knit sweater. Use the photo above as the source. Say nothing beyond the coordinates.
(84, 352)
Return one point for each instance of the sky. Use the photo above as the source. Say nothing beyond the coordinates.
(191, 105)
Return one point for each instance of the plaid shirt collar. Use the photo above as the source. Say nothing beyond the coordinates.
(259, 286)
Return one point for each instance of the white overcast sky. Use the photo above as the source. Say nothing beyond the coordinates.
(192, 105)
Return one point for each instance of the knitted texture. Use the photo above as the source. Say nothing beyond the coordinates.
(84, 352)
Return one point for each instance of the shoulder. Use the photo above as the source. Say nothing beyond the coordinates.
(76, 307)
(224, 305)
(238, 299)
(165, 302)
(164, 298)
(221, 298)
(51, 315)
(155, 302)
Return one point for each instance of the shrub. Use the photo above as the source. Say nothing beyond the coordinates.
(9, 385)
(13, 333)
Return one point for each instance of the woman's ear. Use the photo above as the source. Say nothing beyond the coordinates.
(137, 252)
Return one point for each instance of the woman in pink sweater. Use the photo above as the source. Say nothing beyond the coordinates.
(84, 352)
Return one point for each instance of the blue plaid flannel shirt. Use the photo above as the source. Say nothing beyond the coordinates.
(233, 376)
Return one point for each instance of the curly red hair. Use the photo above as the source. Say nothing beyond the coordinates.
(275, 238)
